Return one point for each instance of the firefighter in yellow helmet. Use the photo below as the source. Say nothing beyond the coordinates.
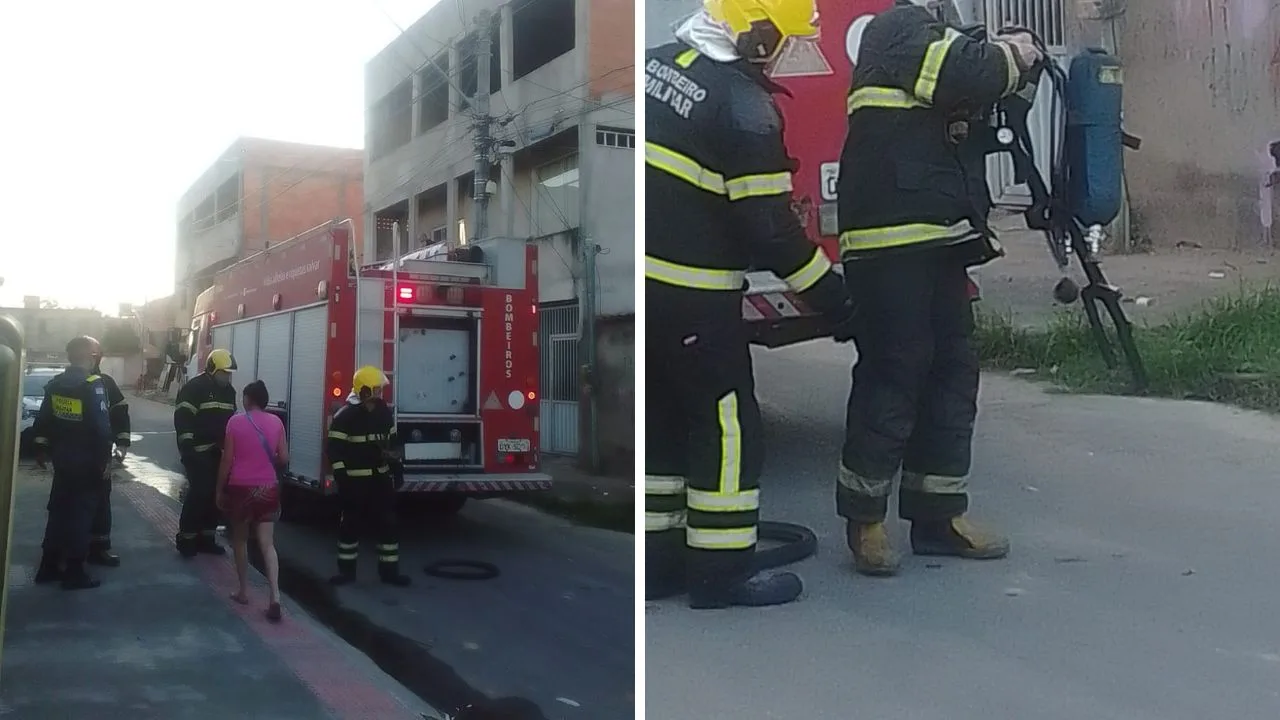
(913, 205)
(362, 447)
(718, 194)
(205, 403)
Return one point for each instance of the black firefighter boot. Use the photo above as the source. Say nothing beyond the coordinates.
(957, 537)
(186, 544)
(720, 579)
(346, 573)
(50, 569)
(665, 574)
(389, 573)
(75, 578)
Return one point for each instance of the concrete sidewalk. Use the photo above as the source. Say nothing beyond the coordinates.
(160, 638)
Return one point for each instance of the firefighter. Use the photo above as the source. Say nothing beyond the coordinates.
(913, 204)
(362, 448)
(718, 193)
(73, 430)
(205, 403)
(100, 552)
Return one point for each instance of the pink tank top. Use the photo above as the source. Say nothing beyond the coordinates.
(250, 465)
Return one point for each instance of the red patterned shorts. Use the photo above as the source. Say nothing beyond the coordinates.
(253, 503)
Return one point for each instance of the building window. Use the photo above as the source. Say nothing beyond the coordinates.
(615, 137)
(541, 31)
(438, 235)
(555, 203)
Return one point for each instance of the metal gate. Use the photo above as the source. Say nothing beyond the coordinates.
(1048, 19)
(558, 338)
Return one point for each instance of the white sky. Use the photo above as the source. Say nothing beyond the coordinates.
(113, 109)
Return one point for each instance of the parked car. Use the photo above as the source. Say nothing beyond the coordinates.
(33, 383)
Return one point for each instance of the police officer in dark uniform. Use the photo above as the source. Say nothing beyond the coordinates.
(100, 552)
(205, 403)
(718, 194)
(363, 447)
(913, 204)
(73, 429)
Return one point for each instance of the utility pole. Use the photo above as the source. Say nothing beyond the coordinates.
(483, 141)
(590, 370)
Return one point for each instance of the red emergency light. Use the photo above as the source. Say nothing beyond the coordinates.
(405, 293)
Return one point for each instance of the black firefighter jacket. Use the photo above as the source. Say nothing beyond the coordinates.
(718, 184)
(200, 420)
(912, 175)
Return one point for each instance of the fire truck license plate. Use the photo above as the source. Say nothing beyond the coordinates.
(507, 445)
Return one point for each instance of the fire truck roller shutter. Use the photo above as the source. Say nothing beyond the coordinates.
(273, 357)
(244, 338)
(307, 391)
(222, 339)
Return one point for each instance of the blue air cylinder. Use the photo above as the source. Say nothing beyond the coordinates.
(1094, 150)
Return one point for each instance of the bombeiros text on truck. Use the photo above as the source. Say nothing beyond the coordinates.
(455, 330)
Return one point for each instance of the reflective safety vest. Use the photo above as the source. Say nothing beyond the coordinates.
(718, 181)
(913, 169)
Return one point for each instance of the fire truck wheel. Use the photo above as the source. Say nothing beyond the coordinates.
(462, 570)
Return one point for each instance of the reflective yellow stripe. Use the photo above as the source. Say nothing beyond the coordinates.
(337, 435)
(384, 468)
(663, 484)
(881, 97)
(214, 405)
(389, 547)
(686, 58)
(692, 277)
(357, 438)
(348, 556)
(122, 436)
(337, 466)
(931, 68)
(730, 443)
(683, 167)
(359, 473)
(731, 539)
(91, 378)
(348, 546)
(935, 484)
(41, 441)
(1012, 72)
(900, 235)
(810, 273)
(206, 446)
(744, 501)
(762, 185)
(187, 406)
(663, 521)
(389, 558)
(186, 436)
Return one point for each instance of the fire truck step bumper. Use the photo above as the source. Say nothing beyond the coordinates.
(479, 484)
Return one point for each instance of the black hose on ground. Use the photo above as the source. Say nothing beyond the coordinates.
(797, 543)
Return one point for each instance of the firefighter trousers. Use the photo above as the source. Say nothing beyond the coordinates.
(198, 522)
(915, 389)
(703, 441)
(368, 506)
(100, 530)
(73, 500)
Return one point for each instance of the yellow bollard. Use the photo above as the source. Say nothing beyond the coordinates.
(12, 360)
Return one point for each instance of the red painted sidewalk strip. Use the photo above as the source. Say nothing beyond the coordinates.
(312, 658)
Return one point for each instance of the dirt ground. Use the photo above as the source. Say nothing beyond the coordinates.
(1156, 285)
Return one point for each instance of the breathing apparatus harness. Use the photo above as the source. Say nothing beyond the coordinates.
(1085, 180)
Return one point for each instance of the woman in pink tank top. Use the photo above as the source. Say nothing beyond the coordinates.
(249, 489)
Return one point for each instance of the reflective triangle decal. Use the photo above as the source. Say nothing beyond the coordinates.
(491, 402)
(800, 57)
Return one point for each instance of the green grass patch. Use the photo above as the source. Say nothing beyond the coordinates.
(1228, 351)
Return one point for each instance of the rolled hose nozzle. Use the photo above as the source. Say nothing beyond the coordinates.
(1066, 291)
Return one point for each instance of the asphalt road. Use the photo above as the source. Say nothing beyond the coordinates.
(556, 627)
(1142, 581)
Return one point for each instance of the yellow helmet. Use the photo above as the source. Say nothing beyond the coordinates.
(220, 359)
(367, 380)
(791, 18)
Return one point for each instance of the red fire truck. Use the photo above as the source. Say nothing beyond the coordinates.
(455, 333)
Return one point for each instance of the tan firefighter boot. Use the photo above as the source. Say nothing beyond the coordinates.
(957, 537)
(873, 552)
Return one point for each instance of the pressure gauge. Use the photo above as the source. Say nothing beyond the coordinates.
(1005, 136)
